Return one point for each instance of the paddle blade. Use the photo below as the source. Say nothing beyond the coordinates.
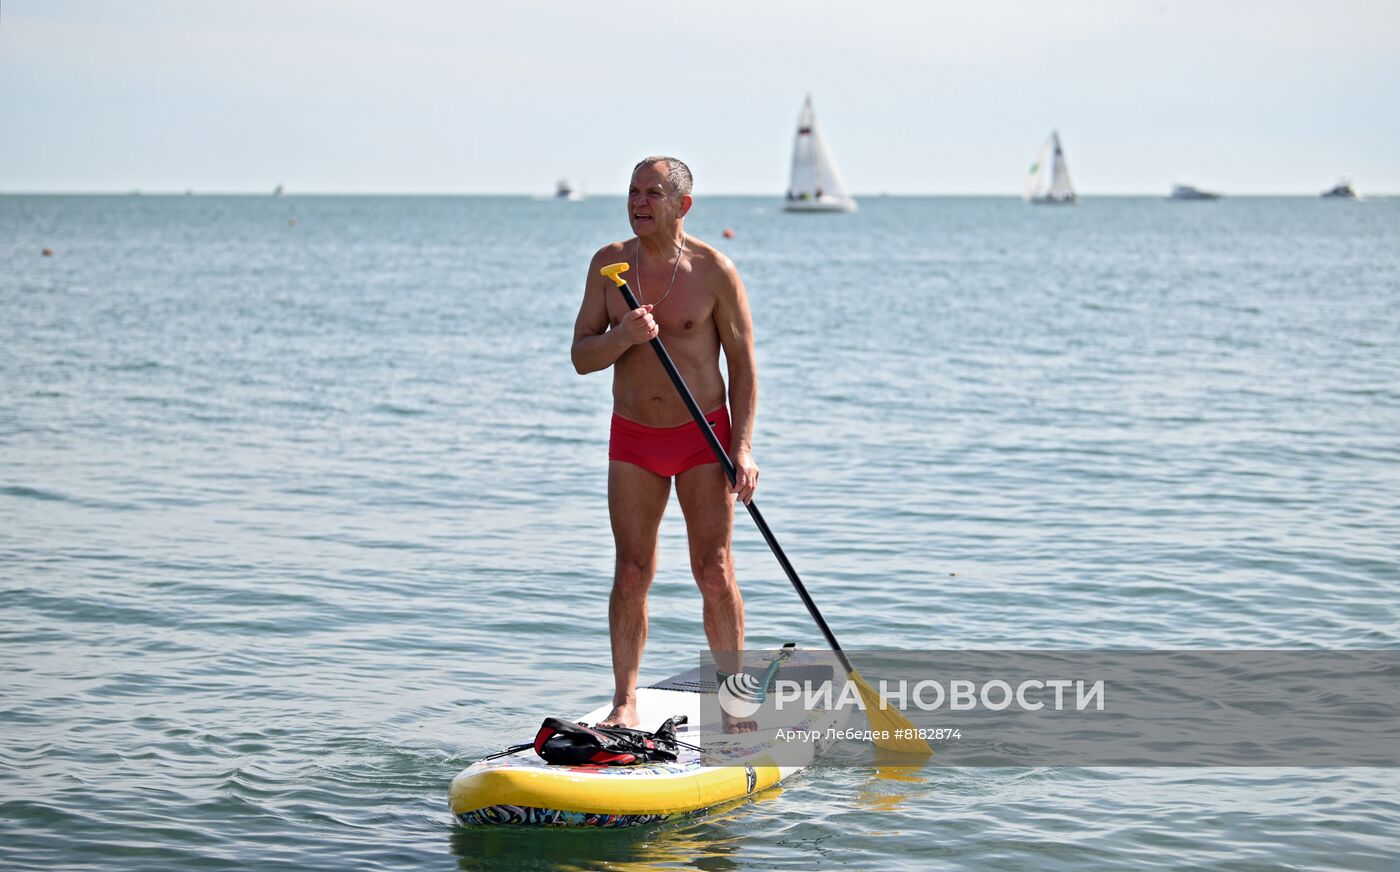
(889, 722)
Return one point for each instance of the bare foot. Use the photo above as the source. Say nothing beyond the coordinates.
(737, 725)
(622, 715)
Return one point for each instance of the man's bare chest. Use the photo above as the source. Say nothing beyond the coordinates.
(688, 310)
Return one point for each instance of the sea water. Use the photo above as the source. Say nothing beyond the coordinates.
(302, 509)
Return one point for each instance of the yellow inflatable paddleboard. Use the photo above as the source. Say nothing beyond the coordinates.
(521, 789)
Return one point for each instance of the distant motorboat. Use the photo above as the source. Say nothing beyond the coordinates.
(1190, 192)
(566, 191)
(1341, 191)
(1049, 177)
(815, 184)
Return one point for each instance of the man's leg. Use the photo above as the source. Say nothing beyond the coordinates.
(636, 500)
(709, 524)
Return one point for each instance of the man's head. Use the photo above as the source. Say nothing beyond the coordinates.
(659, 195)
(676, 172)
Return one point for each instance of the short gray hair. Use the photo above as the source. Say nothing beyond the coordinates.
(677, 173)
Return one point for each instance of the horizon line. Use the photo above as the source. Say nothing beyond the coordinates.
(871, 195)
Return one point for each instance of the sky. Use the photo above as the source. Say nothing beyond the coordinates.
(931, 97)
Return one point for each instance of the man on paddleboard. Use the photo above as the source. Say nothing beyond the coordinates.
(692, 297)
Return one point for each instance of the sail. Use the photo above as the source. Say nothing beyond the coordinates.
(1049, 177)
(1060, 187)
(816, 183)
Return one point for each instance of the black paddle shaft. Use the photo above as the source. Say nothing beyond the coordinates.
(718, 449)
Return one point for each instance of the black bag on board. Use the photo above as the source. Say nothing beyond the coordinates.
(570, 743)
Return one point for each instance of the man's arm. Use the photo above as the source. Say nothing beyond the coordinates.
(595, 346)
(735, 326)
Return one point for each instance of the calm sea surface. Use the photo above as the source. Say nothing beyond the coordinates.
(302, 510)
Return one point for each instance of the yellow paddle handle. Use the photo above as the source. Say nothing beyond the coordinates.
(612, 270)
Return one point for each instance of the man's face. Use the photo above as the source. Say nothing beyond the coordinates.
(651, 203)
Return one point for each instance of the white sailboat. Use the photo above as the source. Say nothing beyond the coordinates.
(1049, 178)
(816, 184)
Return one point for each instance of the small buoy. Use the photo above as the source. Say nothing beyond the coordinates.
(291, 222)
(728, 233)
(48, 252)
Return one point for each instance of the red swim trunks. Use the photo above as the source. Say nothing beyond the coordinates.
(667, 451)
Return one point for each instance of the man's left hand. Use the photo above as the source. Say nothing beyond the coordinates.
(745, 475)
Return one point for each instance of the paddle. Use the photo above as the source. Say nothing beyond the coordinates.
(886, 723)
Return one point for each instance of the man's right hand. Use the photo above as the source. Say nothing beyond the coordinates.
(638, 325)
